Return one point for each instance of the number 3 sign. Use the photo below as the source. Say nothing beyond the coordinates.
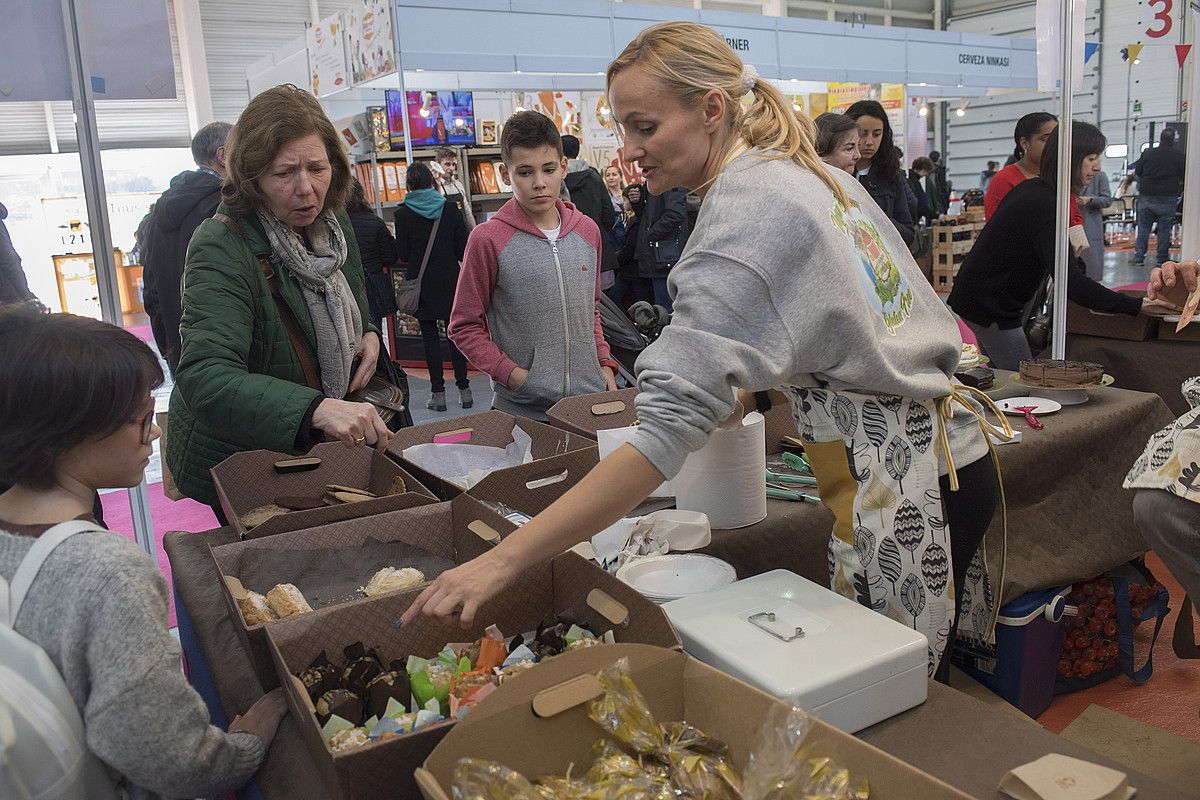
(1162, 16)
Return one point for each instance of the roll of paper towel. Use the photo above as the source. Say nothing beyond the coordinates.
(725, 479)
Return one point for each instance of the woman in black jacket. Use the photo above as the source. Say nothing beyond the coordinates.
(423, 205)
(377, 247)
(1014, 255)
(879, 166)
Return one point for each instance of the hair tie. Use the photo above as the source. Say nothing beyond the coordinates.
(749, 78)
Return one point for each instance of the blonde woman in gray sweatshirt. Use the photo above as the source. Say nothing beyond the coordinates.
(793, 279)
(76, 416)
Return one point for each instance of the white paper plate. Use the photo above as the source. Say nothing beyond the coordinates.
(673, 576)
(1041, 405)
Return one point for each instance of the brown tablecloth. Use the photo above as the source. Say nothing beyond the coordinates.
(931, 736)
(1068, 517)
(1151, 366)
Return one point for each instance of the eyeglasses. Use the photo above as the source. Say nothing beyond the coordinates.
(147, 425)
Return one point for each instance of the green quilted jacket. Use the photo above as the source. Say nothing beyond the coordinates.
(239, 385)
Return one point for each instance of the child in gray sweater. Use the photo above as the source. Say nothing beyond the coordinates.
(76, 415)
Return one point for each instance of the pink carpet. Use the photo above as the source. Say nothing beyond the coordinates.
(143, 332)
(1133, 287)
(168, 515)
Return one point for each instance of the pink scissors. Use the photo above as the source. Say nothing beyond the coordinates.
(1030, 419)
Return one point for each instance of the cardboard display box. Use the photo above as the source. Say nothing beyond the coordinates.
(490, 429)
(566, 584)
(456, 532)
(1166, 332)
(531, 488)
(586, 414)
(1111, 326)
(539, 725)
(247, 480)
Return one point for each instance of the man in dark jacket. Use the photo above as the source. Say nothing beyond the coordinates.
(662, 232)
(938, 184)
(921, 167)
(589, 196)
(191, 198)
(13, 286)
(1160, 172)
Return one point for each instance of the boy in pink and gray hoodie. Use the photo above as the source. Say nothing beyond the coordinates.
(525, 308)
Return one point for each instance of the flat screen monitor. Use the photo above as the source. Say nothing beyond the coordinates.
(435, 118)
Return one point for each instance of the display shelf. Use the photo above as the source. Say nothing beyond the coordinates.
(482, 152)
(480, 198)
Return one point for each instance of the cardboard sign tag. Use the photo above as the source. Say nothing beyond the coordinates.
(1189, 310)
(297, 465)
(235, 588)
(1059, 777)
(607, 607)
(547, 480)
(460, 436)
(484, 531)
(608, 409)
(566, 695)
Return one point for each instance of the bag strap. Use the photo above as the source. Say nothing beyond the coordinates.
(13, 595)
(308, 365)
(1125, 626)
(429, 246)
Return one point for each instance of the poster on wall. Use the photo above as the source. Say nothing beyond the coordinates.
(844, 95)
(599, 130)
(891, 96)
(326, 44)
(562, 107)
(370, 40)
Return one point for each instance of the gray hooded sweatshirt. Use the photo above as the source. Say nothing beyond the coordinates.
(774, 289)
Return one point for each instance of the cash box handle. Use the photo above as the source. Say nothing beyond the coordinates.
(769, 616)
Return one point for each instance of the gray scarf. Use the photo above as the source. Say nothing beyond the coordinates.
(334, 311)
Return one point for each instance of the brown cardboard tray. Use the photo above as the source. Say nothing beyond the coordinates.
(490, 429)
(455, 532)
(585, 414)
(567, 583)
(247, 480)
(517, 725)
(1111, 326)
(531, 488)
(1166, 332)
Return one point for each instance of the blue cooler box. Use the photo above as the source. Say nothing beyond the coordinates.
(1023, 666)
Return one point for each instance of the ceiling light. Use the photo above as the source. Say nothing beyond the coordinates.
(1137, 60)
(923, 110)
(424, 112)
(605, 111)
(960, 112)
(797, 107)
(458, 122)
(519, 108)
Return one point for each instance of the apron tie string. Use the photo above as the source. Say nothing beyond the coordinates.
(963, 394)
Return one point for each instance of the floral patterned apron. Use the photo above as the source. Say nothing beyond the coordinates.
(876, 460)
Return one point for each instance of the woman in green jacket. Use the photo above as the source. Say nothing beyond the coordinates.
(281, 228)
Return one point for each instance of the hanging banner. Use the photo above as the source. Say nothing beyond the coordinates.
(891, 97)
(1134, 51)
(562, 107)
(326, 44)
(370, 41)
(1089, 50)
(1181, 53)
(1050, 43)
(1191, 183)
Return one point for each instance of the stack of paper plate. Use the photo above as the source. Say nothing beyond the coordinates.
(669, 577)
(970, 357)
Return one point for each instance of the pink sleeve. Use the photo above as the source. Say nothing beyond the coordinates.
(468, 319)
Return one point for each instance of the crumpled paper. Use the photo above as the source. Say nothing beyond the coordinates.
(652, 535)
(465, 465)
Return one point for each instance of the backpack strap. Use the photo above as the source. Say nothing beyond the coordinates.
(12, 596)
(308, 365)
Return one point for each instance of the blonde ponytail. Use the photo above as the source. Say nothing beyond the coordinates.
(692, 59)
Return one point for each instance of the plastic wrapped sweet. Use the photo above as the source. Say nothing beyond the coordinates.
(672, 761)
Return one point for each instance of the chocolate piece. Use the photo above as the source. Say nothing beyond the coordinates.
(342, 702)
(362, 665)
(293, 503)
(348, 739)
(320, 676)
(384, 687)
(334, 488)
(1056, 372)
